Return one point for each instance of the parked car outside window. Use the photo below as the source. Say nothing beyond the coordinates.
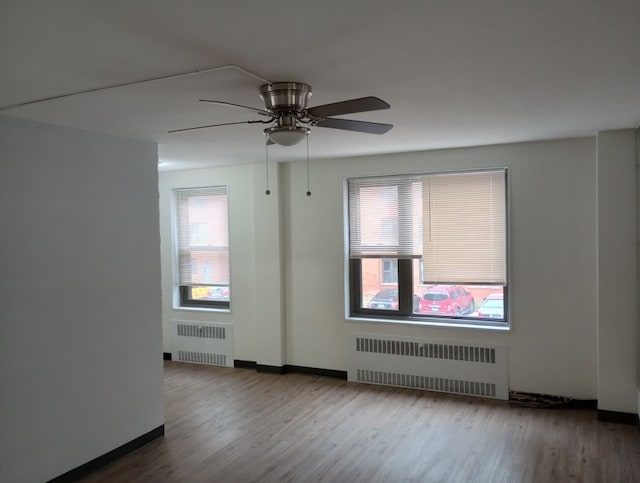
(385, 299)
(218, 293)
(446, 300)
(492, 307)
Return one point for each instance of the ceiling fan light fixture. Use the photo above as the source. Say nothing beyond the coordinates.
(287, 135)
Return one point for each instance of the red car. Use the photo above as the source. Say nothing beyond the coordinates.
(446, 300)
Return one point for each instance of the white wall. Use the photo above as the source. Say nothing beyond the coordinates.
(80, 333)
(242, 258)
(617, 271)
(637, 156)
(552, 344)
(555, 199)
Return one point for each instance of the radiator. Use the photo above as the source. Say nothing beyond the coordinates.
(434, 365)
(202, 343)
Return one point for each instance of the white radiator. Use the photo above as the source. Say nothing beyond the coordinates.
(202, 343)
(434, 365)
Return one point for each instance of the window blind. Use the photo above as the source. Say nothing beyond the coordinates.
(464, 220)
(384, 217)
(203, 236)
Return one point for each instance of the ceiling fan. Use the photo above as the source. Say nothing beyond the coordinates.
(290, 118)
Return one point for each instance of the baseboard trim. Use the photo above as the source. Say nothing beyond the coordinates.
(287, 368)
(245, 364)
(290, 369)
(270, 369)
(617, 417)
(313, 371)
(109, 457)
(546, 401)
(166, 356)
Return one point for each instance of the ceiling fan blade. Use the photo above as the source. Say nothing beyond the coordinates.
(216, 125)
(359, 126)
(362, 104)
(240, 106)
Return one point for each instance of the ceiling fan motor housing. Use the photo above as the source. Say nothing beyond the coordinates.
(282, 97)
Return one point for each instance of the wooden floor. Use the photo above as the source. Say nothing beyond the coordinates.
(237, 425)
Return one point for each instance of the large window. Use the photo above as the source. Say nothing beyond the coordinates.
(203, 247)
(429, 247)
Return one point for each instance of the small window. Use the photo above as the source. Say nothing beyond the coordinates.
(203, 247)
(438, 238)
(389, 271)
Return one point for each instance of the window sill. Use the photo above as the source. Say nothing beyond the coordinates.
(202, 309)
(461, 324)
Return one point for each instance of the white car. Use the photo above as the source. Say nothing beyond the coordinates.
(492, 307)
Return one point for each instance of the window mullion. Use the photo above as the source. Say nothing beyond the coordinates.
(355, 284)
(405, 239)
(405, 286)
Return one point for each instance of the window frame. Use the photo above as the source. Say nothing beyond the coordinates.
(354, 309)
(183, 294)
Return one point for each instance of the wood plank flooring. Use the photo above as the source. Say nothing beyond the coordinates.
(237, 425)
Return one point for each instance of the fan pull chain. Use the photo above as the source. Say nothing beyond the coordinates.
(266, 157)
(308, 184)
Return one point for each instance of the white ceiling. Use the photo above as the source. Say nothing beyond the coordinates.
(456, 73)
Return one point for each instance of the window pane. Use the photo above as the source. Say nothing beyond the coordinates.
(203, 246)
(379, 283)
(211, 293)
(468, 301)
(437, 238)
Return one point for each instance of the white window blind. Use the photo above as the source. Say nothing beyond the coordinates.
(384, 217)
(203, 236)
(464, 219)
